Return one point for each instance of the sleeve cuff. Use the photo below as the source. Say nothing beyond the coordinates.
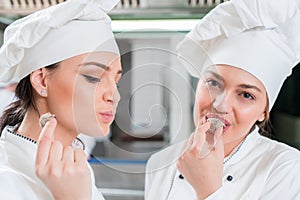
(220, 194)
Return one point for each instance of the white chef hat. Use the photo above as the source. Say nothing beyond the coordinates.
(261, 37)
(54, 34)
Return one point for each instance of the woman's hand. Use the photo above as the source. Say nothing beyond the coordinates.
(204, 174)
(63, 170)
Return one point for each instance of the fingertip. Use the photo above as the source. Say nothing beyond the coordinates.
(50, 124)
(48, 130)
(206, 125)
(199, 123)
(80, 156)
(52, 121)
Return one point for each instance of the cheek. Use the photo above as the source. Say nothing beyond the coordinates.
(202, 102)
(83, 104)
(88, 102)
(83, 96)
(60, 101)
(252, 113)
(242, 120)
(60, 96)
(244, 124)
(203, 98)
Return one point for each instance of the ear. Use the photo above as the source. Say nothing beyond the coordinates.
(37, 79)
(262, 117)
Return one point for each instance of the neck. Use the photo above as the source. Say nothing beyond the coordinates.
(229, 147)
(30, 128)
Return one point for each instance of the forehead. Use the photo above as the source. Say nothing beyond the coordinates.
(232, 76)
(104, 58)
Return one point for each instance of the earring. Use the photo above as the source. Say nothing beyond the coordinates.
(43, 92)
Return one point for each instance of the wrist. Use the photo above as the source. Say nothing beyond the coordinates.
(203, 194)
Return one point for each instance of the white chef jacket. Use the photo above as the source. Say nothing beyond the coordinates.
(261, 169)
(17, 171)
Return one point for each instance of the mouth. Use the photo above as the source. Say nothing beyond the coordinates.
(227, 124)
(107, 116)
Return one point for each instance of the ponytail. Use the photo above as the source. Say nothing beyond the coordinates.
(14, 114)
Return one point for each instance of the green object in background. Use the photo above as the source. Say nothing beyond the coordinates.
(285, 115)
(288, 100)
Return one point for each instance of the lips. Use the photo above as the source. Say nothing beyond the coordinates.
(107, 116)
(227, 124)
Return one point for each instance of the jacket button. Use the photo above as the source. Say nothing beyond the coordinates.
(229, 178)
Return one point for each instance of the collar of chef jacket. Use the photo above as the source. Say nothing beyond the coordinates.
(26, 150)
(245, 148)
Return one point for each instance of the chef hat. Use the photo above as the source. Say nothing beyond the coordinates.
(54, 34)
(261, 37)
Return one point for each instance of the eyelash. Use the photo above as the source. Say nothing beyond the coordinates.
(91, 79)
(247, 93)
(213, 83)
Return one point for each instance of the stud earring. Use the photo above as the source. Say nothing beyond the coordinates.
(43, 92)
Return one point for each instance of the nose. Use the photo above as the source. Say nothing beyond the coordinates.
(111, 94)
(222, 104)
(108, 98)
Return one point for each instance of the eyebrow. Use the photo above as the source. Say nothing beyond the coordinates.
(216, 75)
(105, 67)
(245, 86)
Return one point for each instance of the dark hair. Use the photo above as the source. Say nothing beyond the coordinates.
(14, 113)
(265, 126)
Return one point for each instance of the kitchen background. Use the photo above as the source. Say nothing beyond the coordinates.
(157, 93)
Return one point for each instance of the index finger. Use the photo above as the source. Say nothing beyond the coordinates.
(48, 130)
(45, 141)
(219, 146)
(199, 136)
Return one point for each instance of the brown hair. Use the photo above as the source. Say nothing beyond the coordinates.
(265, 126)
(14, 113)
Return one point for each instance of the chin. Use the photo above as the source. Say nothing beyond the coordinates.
(106, 130)
(98, 131)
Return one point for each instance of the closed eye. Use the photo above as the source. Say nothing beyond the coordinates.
(91, 79)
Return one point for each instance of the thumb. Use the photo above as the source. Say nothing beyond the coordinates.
(219, 147)
(199, 136)
(44, 143)
(218, 134)
(48, 130)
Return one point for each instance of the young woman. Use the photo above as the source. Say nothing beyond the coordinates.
(241, 51)
(68, 64)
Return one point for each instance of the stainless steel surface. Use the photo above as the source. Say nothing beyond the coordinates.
(287, 128)
(120, 175)
(119, 167)
(121, 192)
(120, 180)
(25, 7)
